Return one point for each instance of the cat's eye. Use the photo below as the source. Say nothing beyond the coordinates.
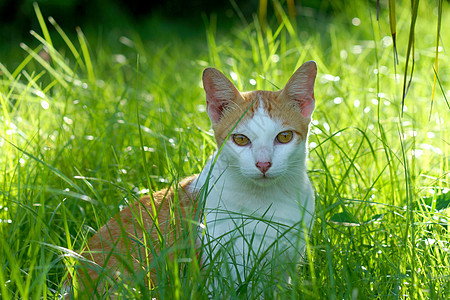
(285, 136)
(240, 139)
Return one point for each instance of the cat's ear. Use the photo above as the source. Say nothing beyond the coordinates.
(220, 93)
(300, 87)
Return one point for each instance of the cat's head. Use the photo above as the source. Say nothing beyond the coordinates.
(269, 140)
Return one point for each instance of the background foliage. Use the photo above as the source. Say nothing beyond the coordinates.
(94, 116)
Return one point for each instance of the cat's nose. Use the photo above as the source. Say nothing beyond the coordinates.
(263, 166)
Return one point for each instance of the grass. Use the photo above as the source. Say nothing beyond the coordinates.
(109, 117)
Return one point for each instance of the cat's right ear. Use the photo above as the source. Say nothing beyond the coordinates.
(300, 87)
(220, 92)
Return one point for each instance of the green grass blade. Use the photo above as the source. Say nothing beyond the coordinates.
(58, 76)
(442, 90)
(410, 51)
(56, 57)
(24, 63)
(42, 23)
(68, 42)
(14, 267)
(3, 284)
(87, 58)
(51, 168)
(287, 22)
(438, 34)
(393, 27)
(212, 47)
(262, 14)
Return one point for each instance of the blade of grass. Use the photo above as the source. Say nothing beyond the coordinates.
(3, 284)
(51, 168)
(287, 23)
(4, 292)
(410, 51)
(291, 10)
(387, 150)
(438, 34)
(24, 63)
(393, 25)
(212, 47)
(45, 64)
(260, 42)
(56, 57)
(14, 267)
(68, 42)
(262, 14)
(442, 88)
(33, 85)
(42, 23)
(239, 12)
(85, 51)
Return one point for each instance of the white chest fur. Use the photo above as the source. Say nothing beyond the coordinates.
(243, 222)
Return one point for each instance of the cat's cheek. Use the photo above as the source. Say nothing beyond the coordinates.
(236, 155)
(284, 156)
(243, 159)
(241, 153)
(278, 167)
(232, 150)
(247, 162)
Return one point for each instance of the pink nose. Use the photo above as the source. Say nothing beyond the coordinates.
(263, 166)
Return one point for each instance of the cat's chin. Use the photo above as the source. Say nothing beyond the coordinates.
(264, 181)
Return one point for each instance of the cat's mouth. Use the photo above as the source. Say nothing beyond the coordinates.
(260, 178)
(265, 179)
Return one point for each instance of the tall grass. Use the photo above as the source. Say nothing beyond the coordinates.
(93, 123)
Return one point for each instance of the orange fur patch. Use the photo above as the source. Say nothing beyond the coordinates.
(134, 233)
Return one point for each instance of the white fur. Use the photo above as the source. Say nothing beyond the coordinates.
(274, 207)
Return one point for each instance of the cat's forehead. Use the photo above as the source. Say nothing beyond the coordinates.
(260, 123)
(266, 104)
(266, 100)
(257, 107)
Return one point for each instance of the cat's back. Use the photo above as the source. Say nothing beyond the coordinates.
(138, 230)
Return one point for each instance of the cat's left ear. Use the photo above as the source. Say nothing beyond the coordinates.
(220, 93)
(300, 87)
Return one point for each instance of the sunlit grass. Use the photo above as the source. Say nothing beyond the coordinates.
(104, 121)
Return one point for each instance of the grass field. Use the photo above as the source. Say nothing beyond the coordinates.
(101, 120)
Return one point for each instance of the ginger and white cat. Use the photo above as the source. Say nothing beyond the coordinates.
(253, 197)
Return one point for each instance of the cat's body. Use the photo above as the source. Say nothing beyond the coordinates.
(254, 195)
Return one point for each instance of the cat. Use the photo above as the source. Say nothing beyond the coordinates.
(253, 197)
